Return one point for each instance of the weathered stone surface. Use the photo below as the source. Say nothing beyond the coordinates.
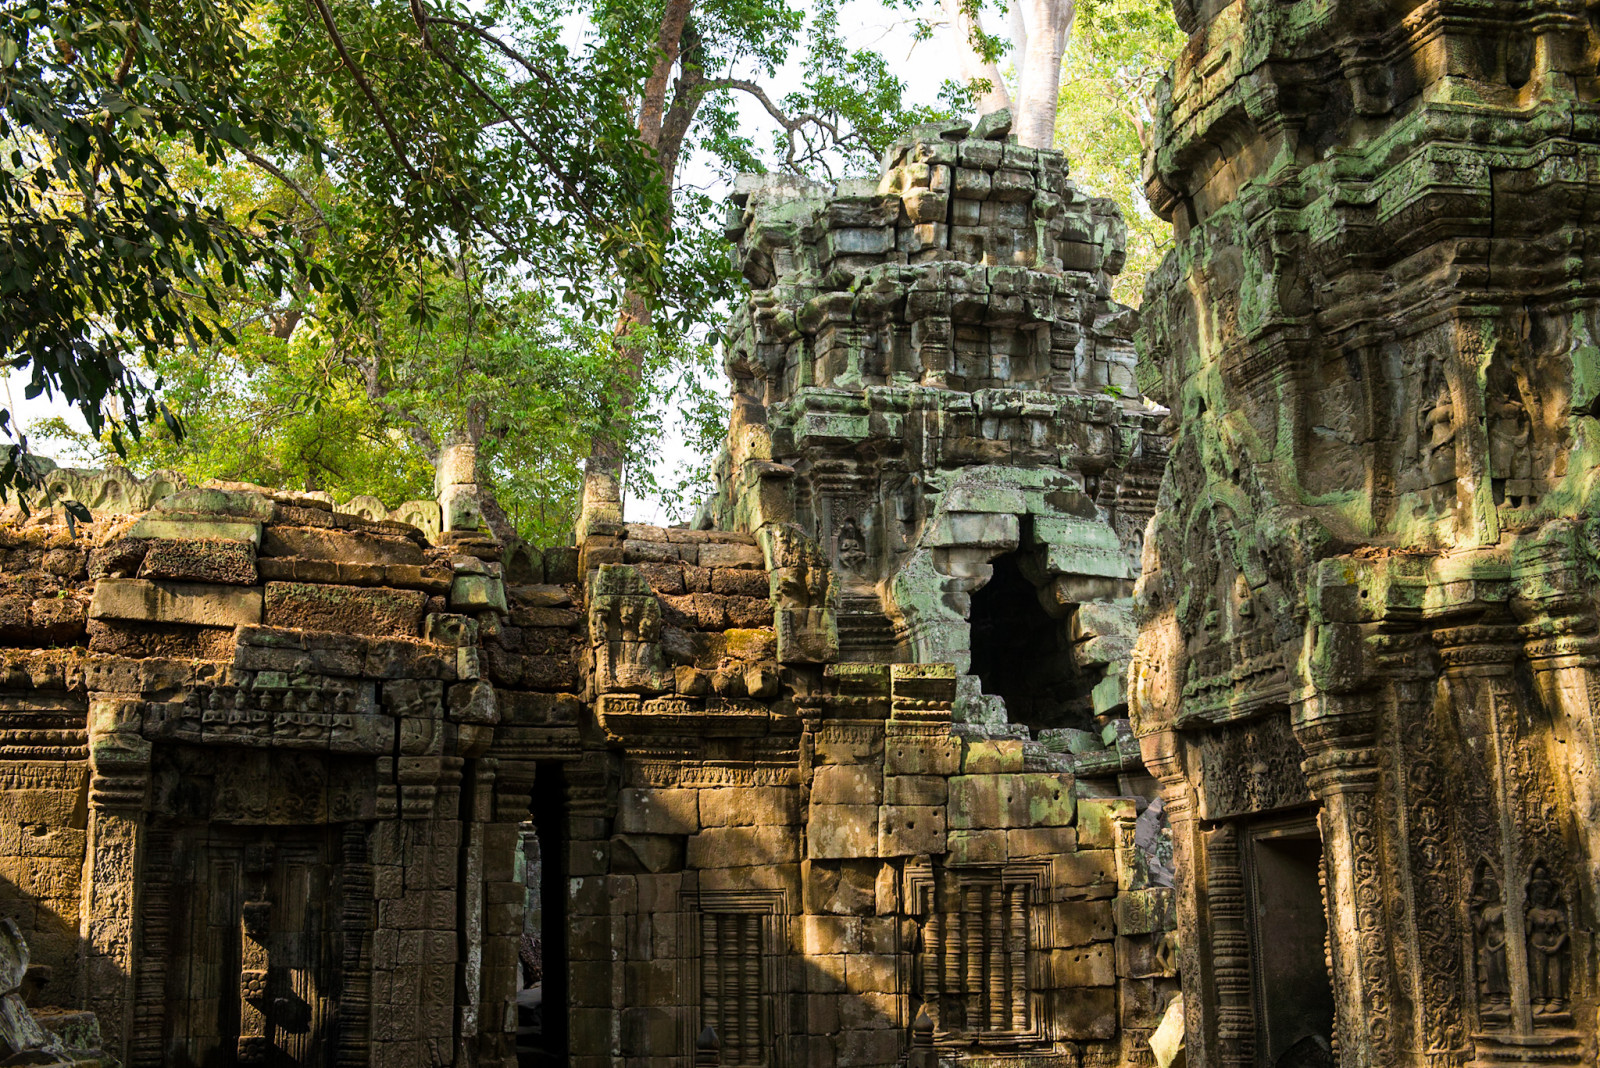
(842, 831)
(173, 602)
(344, 609)
(1369, 535)
(232, 562)
(197, 529)
(349, 547)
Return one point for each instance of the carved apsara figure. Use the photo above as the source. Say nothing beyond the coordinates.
(1545, 923)
(1439, 431)
(1489, 921)
(1510, 449)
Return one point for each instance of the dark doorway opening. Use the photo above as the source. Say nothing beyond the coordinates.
(542, 1002)
(1294, 995)
(1022, 653)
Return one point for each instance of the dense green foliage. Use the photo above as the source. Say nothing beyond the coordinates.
(106, 261)
(333, 236)
(480, 198)
(1118, 51)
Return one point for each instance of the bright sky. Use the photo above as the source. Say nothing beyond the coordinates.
(868, 23)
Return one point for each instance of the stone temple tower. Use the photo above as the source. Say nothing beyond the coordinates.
(932, 383)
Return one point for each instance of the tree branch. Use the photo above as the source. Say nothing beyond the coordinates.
(422, 18)
(298, 190)
(793, 126)
(366, 89)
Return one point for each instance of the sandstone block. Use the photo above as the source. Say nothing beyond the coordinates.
(907, 830)
(1086, 1013)
(1078, 923)
(1097, 820)
(847, 784)
(666, 811)
(231, 562)
(1088, 873)
(738, 582)
(870, 972)
(830, 934)
(738, 556)
(967, 848)
(345, 609)
(1146, 911)
(1041, 841)
(1147, 956)
(842, 831)
(940, 757)
(760, 643)
(653, 853)
(987, 756)
(473, 702)
(868, 1012)
(470, 593)
(862, 1048)
(1084, 966)
(207, 500)
(749, 806)
(840, 887)
(343, 546)
(734, 847)
(170, 602)
(915, 790)
(1032, 799)
(196, 529)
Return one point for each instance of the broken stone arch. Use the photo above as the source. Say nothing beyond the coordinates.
(1044, 525)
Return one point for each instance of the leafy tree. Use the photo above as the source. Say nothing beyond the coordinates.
(105, 262)
(440, 172)
(1119, 51)
(680, 65)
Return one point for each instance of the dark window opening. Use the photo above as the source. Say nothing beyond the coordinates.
(1023, 654)
(1294, 995)
(542, 954)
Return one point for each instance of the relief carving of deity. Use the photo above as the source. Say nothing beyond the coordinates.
(852, 546)
(1439, 435)
(1545, 925)
(1489, 922)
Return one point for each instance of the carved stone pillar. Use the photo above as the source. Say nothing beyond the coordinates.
(1338, 733)
(119, 784)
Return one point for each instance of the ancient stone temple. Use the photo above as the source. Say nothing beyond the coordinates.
(1366, 673)
(845, 779)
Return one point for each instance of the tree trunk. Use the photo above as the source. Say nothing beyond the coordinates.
(1047, 23)
(973, 66)
(663, 128)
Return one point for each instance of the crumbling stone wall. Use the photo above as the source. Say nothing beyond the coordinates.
(273, 763)
(244, 765)
(1365, 653)
(930, 374)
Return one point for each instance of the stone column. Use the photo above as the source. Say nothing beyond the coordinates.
(1162, 756)
(119, 784)
(1338, 733)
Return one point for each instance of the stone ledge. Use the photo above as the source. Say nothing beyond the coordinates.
(200, 604)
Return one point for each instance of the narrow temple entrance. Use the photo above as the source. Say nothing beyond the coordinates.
(1021, 653)
(542, 999)
(1289, 929)
(243, 933)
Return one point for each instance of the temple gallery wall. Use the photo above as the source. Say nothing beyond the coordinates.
(1007, 688)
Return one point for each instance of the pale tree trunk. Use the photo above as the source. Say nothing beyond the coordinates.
(1045, 24)
(605, 455)
(973, 67)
